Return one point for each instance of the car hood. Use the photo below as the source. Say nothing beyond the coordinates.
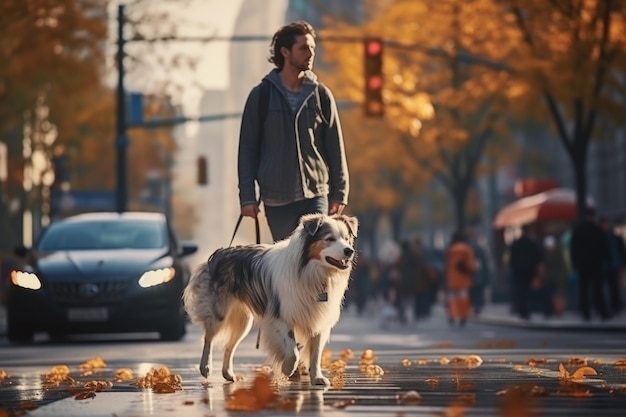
(110, 264)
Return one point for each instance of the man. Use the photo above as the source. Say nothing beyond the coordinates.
(295, 151)
(613, 268)
(526, 262)
(589, 251)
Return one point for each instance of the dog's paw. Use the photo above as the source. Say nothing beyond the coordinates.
(320, 380)
(228, 375)
(205, 371)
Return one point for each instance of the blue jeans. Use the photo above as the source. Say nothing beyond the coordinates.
(282, 220)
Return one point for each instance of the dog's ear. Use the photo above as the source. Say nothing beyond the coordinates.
(351, 222)
(311, 222)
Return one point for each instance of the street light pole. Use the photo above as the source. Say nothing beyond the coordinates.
(121, 139)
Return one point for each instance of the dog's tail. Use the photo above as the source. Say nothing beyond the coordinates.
(195, 293)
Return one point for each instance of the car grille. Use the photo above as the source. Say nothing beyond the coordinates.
(88, 292)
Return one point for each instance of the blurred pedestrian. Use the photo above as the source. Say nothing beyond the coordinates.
(589, 252)
(426, 281)
(290, 141)
(460, 266)
(406, 286)
(525, 263)
(614, 267)
(555, 278)
(482, 276)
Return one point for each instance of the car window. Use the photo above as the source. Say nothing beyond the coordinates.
(103, 235)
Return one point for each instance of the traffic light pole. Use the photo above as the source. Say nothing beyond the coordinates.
(121, 143)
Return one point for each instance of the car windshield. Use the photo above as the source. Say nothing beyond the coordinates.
(103, 234)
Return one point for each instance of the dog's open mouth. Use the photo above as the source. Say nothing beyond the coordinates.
(339, 264)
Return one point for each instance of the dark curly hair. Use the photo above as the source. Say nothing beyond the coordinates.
(286, 37)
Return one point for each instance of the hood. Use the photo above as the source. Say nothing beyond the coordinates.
(113, 264)
(309, 77)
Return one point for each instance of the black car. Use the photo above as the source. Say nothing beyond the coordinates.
(100, 273)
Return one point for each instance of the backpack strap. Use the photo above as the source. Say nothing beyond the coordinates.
(323, 103)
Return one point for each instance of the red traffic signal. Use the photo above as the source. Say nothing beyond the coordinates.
(373, 69)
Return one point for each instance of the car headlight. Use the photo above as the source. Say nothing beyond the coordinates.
(25, 280)
(156, 277)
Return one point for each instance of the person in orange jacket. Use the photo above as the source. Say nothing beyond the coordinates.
(460, 266)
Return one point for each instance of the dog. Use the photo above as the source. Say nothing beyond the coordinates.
(294, 289)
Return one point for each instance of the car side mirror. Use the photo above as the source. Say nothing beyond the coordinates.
(187, 248)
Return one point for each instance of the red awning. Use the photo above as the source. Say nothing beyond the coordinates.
(556, 204)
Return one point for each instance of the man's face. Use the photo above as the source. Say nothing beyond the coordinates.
(302, 53)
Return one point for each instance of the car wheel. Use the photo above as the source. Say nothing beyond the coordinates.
(174, 330)
(19, 334)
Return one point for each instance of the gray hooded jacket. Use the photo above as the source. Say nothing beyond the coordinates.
(303, 145)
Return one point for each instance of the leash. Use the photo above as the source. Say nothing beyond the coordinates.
(256, 229)
(258, 241)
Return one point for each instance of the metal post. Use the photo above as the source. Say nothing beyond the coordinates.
(121, 140)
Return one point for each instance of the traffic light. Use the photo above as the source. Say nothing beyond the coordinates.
(203, 174)
(373, 51)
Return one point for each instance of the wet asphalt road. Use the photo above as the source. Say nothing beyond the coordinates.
(412, 357)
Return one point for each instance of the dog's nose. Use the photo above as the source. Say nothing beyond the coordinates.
(348, 251)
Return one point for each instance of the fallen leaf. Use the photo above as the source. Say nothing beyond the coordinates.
(406, 363)
(534, 362)
(4, 375)
(577, 361)
(124, 374)
(85, 395)
(338, 366)
(444, 361)
(337, 382)
(580, 373)
(97, 385)
(346, 354)
(621, 362)
(91, 365)
(158, 378)
(432, 381)
(409, 397)
(422, 362)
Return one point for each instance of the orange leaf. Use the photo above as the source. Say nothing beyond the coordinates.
(580, 373)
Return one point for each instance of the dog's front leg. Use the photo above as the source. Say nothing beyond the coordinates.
(316, 345)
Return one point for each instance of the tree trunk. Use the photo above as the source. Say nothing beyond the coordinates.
(579, 164)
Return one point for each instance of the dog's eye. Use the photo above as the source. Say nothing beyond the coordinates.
(331, 239)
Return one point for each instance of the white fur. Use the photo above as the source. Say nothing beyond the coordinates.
(288, 279)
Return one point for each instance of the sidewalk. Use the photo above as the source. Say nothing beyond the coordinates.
(499, 314)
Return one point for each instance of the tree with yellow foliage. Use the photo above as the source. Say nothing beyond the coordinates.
(572, 61)
(445, 89)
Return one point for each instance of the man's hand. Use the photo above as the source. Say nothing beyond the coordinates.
(336, 207)
(250, 210)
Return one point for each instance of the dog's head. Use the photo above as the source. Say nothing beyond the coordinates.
(329, 240)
